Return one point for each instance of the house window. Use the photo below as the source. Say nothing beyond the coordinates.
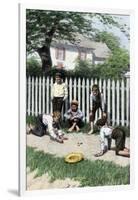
(82, 55)
(60, 53)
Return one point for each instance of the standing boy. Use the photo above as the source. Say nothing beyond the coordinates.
(96, 101)
(59, 93)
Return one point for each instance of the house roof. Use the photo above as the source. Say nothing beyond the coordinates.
(99, 49)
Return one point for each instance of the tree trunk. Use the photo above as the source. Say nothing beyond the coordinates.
(44, 53)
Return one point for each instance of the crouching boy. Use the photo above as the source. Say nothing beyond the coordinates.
(48, 123)
(108, 133)
(74, 117)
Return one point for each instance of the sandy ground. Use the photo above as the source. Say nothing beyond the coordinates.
(89, 146)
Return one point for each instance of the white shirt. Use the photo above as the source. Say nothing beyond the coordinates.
(48, 121)
(105, 133)
(59, 90)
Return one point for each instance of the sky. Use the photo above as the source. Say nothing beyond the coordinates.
(122, 19)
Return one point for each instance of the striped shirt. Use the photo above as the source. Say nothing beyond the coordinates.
(71, 114)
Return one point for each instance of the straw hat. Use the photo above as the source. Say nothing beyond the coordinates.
(74, 157)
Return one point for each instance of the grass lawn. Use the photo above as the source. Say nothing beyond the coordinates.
(89, 173)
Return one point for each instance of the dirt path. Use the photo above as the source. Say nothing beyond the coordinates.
(90, 145)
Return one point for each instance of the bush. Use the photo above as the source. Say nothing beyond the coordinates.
(31, 120)
(111, 68)
(33, 67)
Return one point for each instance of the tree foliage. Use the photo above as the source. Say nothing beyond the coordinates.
(109, 39)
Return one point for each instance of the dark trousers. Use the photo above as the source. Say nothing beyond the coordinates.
(57, 104)
(119, 136)
(76, 120)
(40, 128)
(96, 106)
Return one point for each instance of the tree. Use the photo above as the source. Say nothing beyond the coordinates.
(43, 27)
(118, 62)
(109, 39)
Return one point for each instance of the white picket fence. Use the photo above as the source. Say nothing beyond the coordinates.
(116, 94)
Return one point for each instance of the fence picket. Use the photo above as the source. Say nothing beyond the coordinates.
(70, 90)
(83, 96)
(29, 94)
(74, 88)
(87, 100)
(43, 96)
(36, 96)
(122, 102)
(51, 105)
(127, 102)
(47, 95)
(118, 102)
(32, 96)
(79, 91)
(113, 102)
(108, 100)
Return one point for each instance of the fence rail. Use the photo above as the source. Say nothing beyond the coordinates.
(116, 94)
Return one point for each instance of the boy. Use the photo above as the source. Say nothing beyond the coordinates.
(59, 93)
(96, 101)
(106, 134)
(74, 117)
(48, 123)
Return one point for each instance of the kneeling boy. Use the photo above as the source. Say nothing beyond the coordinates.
(106, 134)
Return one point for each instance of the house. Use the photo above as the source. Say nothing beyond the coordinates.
(64, 54)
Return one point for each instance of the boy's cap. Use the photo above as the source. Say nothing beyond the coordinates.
(74, 102)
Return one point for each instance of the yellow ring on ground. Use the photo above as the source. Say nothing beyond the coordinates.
(74, 157)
